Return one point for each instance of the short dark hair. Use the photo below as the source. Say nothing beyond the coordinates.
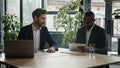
(38, 12)
(90, 13)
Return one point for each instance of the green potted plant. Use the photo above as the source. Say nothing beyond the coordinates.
(69, 22)
(116, 13)
(11, 26)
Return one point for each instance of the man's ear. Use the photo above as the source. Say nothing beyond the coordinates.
(35, 18)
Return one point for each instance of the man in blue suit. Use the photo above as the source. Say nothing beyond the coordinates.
(91, 33)
(38, 32)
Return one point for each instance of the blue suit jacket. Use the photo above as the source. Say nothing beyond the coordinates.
(98, 37)
(26, 33)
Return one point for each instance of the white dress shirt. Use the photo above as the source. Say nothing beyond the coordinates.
(88, 33)
(36, 35)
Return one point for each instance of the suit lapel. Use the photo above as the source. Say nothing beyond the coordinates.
(30, 32)
(84, 35)
(41, 34)
(92, 36)
(42, 38)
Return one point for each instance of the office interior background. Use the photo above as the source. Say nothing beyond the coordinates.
(103, 10)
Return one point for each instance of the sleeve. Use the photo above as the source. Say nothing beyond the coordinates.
(77, 37)
(50, 41)
(103, 42)
(21, 34)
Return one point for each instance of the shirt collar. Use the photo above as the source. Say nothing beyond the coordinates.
(33, 27)
(91, 28)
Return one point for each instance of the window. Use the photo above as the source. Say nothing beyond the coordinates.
(28, 7)
(116, 27)
(13, 8)
(51, 25)
(98, 1)
(52, 6)
(114, 44)
(97, 7)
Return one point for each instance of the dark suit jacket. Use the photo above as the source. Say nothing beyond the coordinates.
(26, 33)
(98, 37)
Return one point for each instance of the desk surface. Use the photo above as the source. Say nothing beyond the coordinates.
(61, 59)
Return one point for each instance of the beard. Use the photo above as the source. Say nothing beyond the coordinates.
(88, 26)
(39, 23)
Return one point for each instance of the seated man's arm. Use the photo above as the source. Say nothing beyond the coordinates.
(77, 37)
(21, 34)
(101, 50)
(50, 41)
(102, 43)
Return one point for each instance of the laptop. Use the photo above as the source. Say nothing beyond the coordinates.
(19, 49)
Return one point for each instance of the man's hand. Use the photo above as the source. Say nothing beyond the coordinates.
(86, 49)
(51, 50)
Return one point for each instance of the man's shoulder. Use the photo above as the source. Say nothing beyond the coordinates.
(30, 26)
(44, 28)
(81, 28)
(27, 26)
(96, 27)
(99, 28)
